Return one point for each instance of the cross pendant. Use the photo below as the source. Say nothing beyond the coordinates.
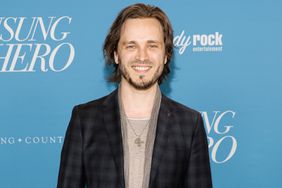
(138, 141)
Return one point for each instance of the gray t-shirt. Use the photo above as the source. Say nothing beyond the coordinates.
(136, 128)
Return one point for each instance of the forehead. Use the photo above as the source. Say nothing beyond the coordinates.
(141, 29)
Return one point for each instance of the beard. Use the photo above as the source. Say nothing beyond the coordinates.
(141, 84)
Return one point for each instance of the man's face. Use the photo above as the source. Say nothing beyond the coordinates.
(141, 52)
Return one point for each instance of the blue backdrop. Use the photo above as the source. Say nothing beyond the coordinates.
(227, 65)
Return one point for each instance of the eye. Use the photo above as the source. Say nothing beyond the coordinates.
(153, 46)
(130, 47)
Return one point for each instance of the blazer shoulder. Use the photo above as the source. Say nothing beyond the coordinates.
(179, 107)
(95, 104)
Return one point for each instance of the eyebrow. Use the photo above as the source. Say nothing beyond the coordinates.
(153, 41)
(134, 42)
(128, 42)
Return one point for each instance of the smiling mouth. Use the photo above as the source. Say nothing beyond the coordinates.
(141, 68)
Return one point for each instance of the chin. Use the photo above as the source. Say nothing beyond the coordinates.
(143, 85)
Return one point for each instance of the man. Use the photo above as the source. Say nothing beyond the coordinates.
(136, 137)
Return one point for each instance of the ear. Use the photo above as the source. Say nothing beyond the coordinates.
(116, 57)
(165, 60)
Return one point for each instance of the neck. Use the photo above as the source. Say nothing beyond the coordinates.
(137, 103)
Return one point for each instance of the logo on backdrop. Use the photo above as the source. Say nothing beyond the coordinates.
(211, 42)
(32, 44)
(222, 144)
(11, 140)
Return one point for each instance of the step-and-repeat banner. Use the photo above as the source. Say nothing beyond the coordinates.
(227, 65)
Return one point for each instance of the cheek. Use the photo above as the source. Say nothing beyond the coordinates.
(161, 68)
(127, 59)
(158, 59)
(156, 54)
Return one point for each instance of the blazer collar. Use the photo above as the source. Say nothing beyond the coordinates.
(111, 115)
(162, 133)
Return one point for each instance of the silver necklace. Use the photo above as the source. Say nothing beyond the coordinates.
(138, 141)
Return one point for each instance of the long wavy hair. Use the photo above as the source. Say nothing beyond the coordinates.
(138, 10)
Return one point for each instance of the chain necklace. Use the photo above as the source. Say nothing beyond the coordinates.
(149, 142)
(138, 141)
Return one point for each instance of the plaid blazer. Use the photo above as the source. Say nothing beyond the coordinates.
(92, 153)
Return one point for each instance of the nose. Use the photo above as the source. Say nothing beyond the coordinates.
(142, 54)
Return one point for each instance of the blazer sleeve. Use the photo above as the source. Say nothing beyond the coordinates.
(71, 172)
(198, 174)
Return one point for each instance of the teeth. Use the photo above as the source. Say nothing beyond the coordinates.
(141, 68)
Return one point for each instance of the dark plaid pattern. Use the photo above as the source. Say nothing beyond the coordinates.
(92, 153)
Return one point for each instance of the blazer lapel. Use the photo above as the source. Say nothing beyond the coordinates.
(163, 125)
(112, 123)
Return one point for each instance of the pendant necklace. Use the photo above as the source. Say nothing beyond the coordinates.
(138, 141)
